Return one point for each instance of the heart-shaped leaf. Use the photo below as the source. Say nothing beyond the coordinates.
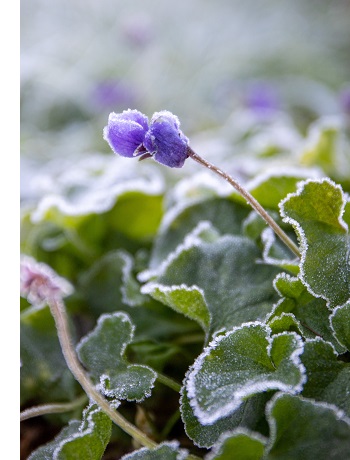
(102, 352)
(244, 362)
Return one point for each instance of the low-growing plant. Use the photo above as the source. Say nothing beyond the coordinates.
(182, 318)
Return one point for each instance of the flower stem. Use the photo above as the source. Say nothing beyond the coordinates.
(168, 382)
(53, 408)
(59, 314)
(250, 199)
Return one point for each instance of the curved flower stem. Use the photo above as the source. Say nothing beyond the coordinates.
(59, 314)
(53, 408)
(250, 199)
(167, 381)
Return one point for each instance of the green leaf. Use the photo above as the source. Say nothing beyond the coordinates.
(328, 379)
(316, 212)
(131, 204)
(45, 376)
(137, 215)
(189, 301)
(250, 414)
(269, 189)
(320, 147)
(310, 312)
(224, 215)
(164, 451)
(236, 288)
(102, 352)
(327, 147)
(285, 322)
(238, 445)
(340, 322)
(277, 254)
(244, 362)
(109, 286)
(131, 294)
(85, 440)
(305, 429)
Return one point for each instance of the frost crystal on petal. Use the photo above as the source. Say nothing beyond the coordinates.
(166, 141)
(125, 132)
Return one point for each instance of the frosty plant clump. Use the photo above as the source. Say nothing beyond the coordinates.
(215, 325)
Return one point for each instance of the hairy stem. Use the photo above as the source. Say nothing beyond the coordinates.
(250, 199)
(58, 311)
(53, 408)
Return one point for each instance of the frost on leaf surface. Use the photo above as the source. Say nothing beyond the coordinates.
(238, 445)
(250, 414)
(244, 362)
(277, 254)
(85, 440)
(189, 301)
(310, 312)
(164, 451)
(102, 353)
(225, 215)
(285, 322)
(340, 322)
(108, 285)
(316, 211)
(236, 289)
(304, 429)
(328, 378)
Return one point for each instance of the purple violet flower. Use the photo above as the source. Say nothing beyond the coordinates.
(165, 140)
(129, 135)
(126, 132)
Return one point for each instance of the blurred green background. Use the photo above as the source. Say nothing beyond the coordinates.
(200, 59)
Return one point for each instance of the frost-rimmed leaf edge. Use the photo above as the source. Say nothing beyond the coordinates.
(339, 414)
(191, 240)
(181, 454)
(300, 231)
(149, 288)
(333, 314)
(206, 419)
(228, 434)
(103, 377)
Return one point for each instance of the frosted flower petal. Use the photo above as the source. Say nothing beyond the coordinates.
(125, 132)
(166, 141)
